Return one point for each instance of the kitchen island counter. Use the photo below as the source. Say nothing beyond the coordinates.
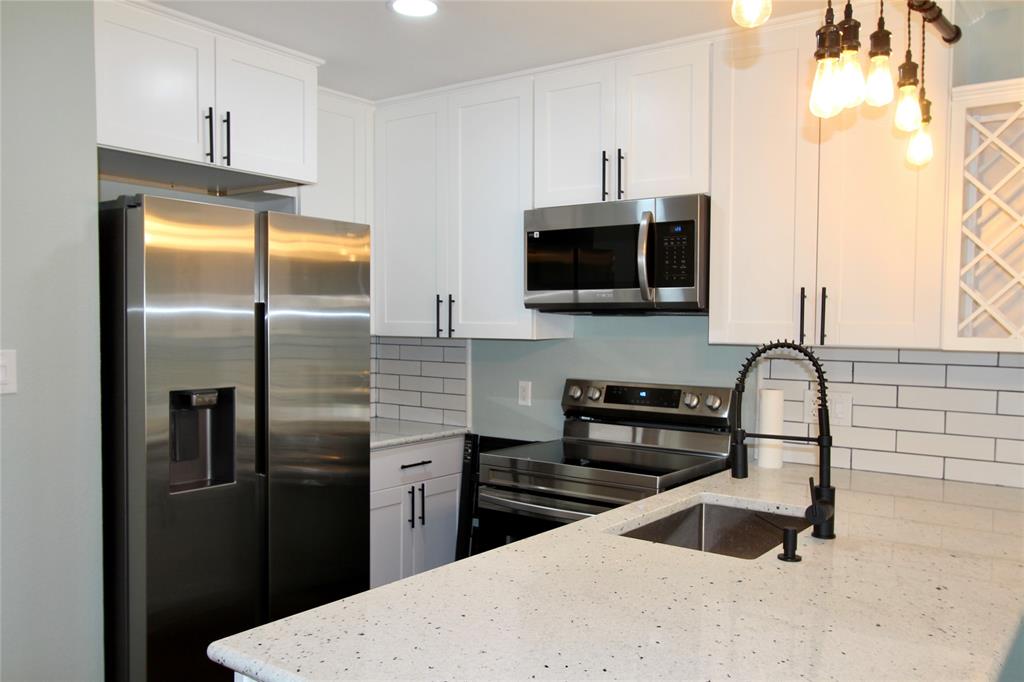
(922, 582)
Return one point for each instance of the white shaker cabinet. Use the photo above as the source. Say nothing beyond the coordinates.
(266, 111)
(391, 534)
(410, 199)
(764, 177)
(340, 192)
(154, 83)
(437, 516)
(574, 141)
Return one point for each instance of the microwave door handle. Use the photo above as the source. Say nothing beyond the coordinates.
(641, 255)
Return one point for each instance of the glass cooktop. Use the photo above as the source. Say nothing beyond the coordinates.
(633, 460)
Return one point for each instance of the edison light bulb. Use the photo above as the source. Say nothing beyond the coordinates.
(851, 79)
(751, 13)
(826, 101)
(879, 88)
(920, 149)
(908, 110)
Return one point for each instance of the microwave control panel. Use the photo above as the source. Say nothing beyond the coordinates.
(675, 251)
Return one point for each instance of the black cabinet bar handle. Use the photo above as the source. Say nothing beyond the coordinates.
(437, 315)
(604, 175)
(209, 125)
(416, 464)
(824, 298)
(227, 139)
(451, 327)
(412, 511)
(619, 174)
(423, 505)
(803, 303)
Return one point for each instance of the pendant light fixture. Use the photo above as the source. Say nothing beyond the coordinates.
(908, 107)
(826, 99)
(851, 75)
(878, 90)
(920, 149)
(751, 13)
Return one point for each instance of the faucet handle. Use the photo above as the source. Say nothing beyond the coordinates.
(820, 510)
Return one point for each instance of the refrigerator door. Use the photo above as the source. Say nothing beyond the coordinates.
(318, 369)
(185, 510)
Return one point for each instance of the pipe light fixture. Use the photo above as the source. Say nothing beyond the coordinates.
(751, 13)
(920, 148)
(878, 91)
(908, 107)
(826, 98)
(851, 75)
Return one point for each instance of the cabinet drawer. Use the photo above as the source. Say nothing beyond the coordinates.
(421, 461)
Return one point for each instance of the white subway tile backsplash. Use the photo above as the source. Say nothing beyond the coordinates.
(387, 380)
(449, 370)
(867, 394)
(388, 352)
(1011, 359)
(995, 425)
(990, 378)
(457, 386)
(398, 367)
(939, 357)
(422, 384)
(869, 439)
(1010, 451)
(994, 473)
(956, 399)
(945, 445)
(793, 411)
(421, 414)
(431, 353)
(455, 355)
(387, 411)
(399, 397)
(898, 418)
(444, 401)
(785, 368)
(898, 463)
(454, 343)
(791, 390)
(1011, 403)
(399, 340)
(899, 375)
(454, 418)
(858, 354)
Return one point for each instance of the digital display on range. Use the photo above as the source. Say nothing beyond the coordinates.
(651, 397)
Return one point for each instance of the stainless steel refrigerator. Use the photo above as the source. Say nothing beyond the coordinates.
(236, 425)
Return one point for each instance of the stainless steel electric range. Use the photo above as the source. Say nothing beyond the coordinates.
(621, 441)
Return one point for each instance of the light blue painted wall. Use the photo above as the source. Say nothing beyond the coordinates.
(992, 47)
(656, 349)
(51, 550)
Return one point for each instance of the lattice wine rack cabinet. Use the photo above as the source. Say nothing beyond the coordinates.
(983, 299)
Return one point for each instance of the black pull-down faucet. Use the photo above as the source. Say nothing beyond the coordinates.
(821, 512)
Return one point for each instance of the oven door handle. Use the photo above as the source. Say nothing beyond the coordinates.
(646, 219)
(518, 505)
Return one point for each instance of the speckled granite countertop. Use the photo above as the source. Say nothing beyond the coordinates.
(923, 582)
(387, 433)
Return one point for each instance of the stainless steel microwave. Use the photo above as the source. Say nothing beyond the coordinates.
(644, 255)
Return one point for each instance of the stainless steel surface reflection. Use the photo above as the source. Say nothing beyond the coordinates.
(318, 326)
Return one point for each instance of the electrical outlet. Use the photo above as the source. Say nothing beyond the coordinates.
(840, 407)
(526, 393)
(8, 371)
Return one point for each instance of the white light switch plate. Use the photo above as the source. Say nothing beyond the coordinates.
(840, 407)
(8, 371)
(526, 393)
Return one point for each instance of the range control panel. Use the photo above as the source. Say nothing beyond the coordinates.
(583, 396)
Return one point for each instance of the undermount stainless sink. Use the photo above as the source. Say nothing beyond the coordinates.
(740, 533)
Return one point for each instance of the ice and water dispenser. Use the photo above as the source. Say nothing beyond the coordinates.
(202, 447)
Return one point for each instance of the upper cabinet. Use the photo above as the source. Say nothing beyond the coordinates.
(453, 175)
(764, 178)
(341, 191)
(822, 232)
(636, 126)
(167, 87)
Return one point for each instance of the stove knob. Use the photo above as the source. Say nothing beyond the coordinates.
(593, 393)
(575, 392)
(713, 402)
(691, 400)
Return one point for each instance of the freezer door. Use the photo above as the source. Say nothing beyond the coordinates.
(202, 515)
(318, 347)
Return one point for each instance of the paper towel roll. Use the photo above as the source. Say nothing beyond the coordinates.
(769, 420)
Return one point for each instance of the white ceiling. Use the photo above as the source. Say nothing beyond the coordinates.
(374, 53)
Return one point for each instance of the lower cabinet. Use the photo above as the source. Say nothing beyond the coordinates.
(413, 525)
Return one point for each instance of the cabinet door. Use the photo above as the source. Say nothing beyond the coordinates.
(491, 133)
(764, 182)
(437, 512)
(271, 101)
(410, 209)
(662, 121)
(881, 225)
(391, 544)
(574, 128)
(340, 189)
(154, 83)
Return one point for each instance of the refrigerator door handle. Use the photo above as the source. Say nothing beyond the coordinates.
(262, 404)
(412, 506)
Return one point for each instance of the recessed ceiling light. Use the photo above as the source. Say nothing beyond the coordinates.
(414, 8)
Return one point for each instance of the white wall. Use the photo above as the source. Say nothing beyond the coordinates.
(51, 625)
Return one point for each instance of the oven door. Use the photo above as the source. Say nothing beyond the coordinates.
(644, 254)
(505, 516)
